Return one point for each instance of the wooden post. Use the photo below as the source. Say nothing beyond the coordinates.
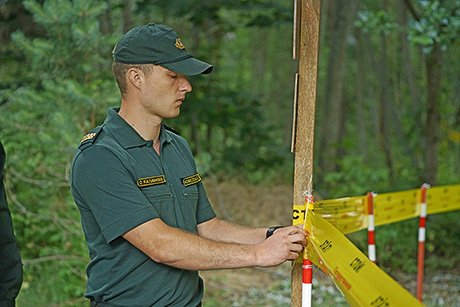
(308, 12)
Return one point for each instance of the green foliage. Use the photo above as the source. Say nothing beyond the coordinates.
(354, 177)
(64, 89)
(56, 84)
(53, 281)
(439, 24)
(397, 246)
(380, 22)
(442, 233)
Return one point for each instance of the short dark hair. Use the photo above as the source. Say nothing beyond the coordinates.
(120, 69)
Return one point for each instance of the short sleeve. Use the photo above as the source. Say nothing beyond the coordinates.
(102, 184)
(204, 211)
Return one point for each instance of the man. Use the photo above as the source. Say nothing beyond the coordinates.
(10, 263)
(147, 220)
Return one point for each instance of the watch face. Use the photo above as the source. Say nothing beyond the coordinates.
(270, 231)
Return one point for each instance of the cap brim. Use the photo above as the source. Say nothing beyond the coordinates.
(189, 67)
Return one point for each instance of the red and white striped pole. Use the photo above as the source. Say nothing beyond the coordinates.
(371, 226)
(307, 267)
(421, 242)
(307, 270)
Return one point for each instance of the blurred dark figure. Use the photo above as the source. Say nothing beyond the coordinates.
(10, 260)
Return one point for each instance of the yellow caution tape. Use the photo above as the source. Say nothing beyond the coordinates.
(350, 214)
(346, 214)
(361, 281)
(395, 207)
(298, 215)
(443, 199)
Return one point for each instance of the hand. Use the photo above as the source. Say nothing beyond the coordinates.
(285, 244)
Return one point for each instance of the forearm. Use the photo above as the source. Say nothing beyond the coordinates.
(222, 231)
(174, 247)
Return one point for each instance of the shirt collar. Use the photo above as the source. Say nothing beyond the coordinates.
(126, 135)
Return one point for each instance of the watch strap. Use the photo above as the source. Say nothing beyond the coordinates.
(271, 230)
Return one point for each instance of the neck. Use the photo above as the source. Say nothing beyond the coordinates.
(147, 126)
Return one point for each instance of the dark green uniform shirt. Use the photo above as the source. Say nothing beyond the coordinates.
(118, 182)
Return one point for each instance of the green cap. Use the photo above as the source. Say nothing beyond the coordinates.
(158, 45)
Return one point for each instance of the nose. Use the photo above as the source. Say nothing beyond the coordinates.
(185, 85)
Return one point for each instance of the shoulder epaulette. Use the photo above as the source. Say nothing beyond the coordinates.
(172, 130)
(89, 138)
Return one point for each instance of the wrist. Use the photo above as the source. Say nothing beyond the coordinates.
(271, 231)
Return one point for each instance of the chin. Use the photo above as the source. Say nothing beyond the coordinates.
(172, 115)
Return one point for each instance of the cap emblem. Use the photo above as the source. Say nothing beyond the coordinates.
(179, 44)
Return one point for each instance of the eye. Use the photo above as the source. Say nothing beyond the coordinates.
(173, 76)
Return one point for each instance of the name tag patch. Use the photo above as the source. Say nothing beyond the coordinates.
(150, 181)
(191, 180)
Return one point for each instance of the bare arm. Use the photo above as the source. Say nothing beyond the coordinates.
(222, 231)
(174, 247)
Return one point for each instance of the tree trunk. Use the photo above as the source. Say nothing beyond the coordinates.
(259, 59)
(105, 21)
(385, 107)
(383, 111)
(408, 69)
(360, 80)
(433, 116)
(384, 102)
(457, 117)
(398, 106)
(333, 98)
(127, 20)
(196, 140)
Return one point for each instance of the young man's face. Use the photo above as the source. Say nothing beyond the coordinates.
(164, 92)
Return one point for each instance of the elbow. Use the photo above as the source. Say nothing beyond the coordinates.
(158, 254)
(163, 256)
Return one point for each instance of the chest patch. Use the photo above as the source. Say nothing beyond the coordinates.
(149, 181)
(191, 180)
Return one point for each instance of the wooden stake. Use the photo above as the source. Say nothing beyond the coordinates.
(304, 137)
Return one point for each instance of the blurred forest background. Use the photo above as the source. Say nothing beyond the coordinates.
(388, 112)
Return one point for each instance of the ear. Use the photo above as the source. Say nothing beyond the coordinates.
(135, 77)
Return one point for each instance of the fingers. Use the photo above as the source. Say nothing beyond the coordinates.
(297, 248)
(292, 230)
(294, 252)
(298, 242)
(292, 235)
(298, 235)
(293, 256)
(285, 244)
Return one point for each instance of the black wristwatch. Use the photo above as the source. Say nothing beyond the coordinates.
(271, 230)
